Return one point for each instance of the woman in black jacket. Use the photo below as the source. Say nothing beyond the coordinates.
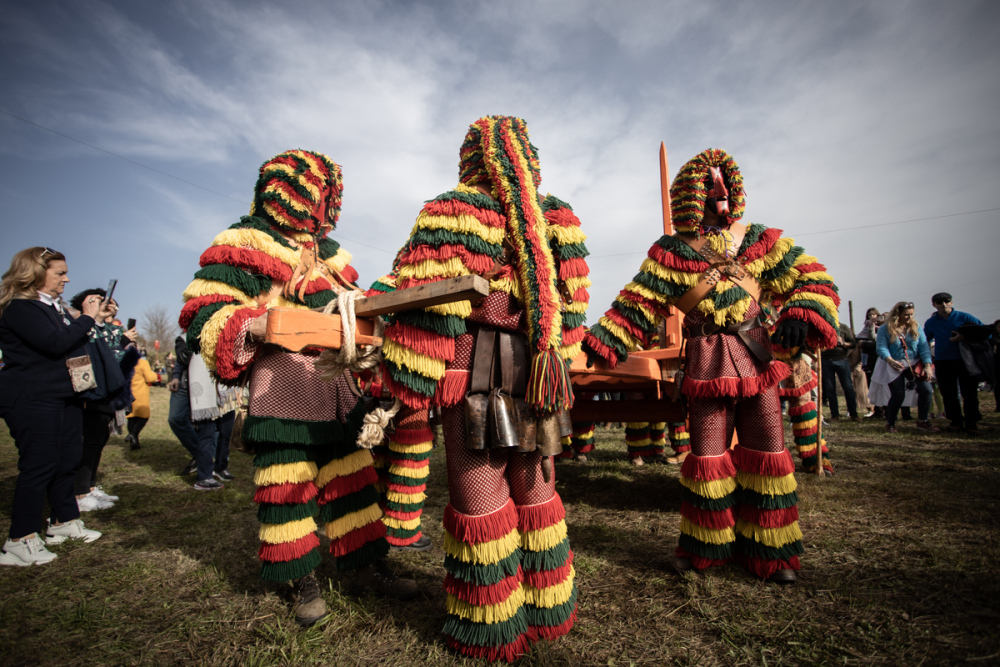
(38, 402)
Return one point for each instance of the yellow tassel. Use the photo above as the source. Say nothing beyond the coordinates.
(465, 224)
(715, 489)
(772, 537)
(804, 259)
(284, 473)
(493, 613)
(459, 308)
(544, 539)
(348, 465)
(415, 361)
(405, 498)
(353, 521)
(340, 260)
(823, 300)
(280, 533)
(488, 553)
(817, 275)
(806, 450)
(201, 287)
(411, 473)
(210, 333)
(707, 535)
(421, 448)
(650, 265)
(777, 253)
(550, 596)
(658, 426)
(768, 486)
(433, 268)
(783, 284)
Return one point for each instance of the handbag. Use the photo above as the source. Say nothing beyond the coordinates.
(81, 374)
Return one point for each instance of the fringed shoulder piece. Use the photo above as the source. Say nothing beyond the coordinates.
(569, 252)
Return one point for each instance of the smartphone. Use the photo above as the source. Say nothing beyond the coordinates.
(131, 324)
(111, 290)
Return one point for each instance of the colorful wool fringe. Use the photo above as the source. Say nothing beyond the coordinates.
(688, 191)
(569, 252)
(805, 433)
(707, 501)
(680, 439)
(639, 442)
(581, 442)
(403, 472)
(549, 578)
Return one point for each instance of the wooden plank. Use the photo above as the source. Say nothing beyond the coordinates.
(295, 328)
(645, 410)
(636, 367)
(463, 288)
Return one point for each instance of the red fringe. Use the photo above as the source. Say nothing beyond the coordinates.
(475, 262)
(583, 449)
(417, 436)
(626, 324)
(546, 578)
(286, 551)
(403, 516)
(249, 259)
(698, 562)
(765, 242)
(452, 388)
(225, 360)
(402, 488)
(477, 529)
(286, 494)
(574, 335)
(421, 340)
(508, 653)
(537, 517)
(350, 274)
(481, 596)
(402, 541)
(827, 338)
(810, 268)
(825, 290)
(768, 518)
(708, 468)
(409, 397)
(708, 518)
(812, 430)
(672, 261)
(455, 208)
(563, 217)
(795, 392)
(737, 387)
(765, 568)
(573, 267)
(601, 349)
(338, 487)
(191, 308)
(796, 410)
(556, 631)
(407, 463)
(357, 538)
(776, 464)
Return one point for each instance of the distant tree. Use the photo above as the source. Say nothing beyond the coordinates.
(158, 323)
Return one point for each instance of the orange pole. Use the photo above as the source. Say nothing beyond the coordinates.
(668, 227)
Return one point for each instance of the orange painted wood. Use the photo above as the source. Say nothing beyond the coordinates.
(294, 329)
(636, 367)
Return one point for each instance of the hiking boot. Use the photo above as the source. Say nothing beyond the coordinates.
(927, 426)
(379, 579)
(208, 485)
(133, 442)
(423, 544)
(638, 462)
(783, 577)
(25, 552)
(679, 459)
(190, 468)
(224, 475)
(71, 530)
(309, 604)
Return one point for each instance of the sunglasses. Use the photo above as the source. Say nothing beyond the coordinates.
(908, 304)
(944, 301)
(46, 251)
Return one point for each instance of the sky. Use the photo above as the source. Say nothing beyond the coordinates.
(868, 131)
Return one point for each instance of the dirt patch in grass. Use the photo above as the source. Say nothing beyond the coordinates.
(901, 569)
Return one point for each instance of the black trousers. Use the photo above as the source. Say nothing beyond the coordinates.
(135, 425)
(952, 376)
(96, 433)
(897, 394)
(47, 434)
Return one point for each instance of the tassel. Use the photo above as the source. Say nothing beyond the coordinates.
(549, 387)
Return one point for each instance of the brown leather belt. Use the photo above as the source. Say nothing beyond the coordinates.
(741, 329)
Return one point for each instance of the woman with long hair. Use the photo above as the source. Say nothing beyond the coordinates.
(39, 402)
(904, 363)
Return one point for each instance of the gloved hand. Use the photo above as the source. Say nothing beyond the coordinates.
(790, 333)
(592, 356)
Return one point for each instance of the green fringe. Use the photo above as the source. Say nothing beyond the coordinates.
(404, 507)
(713, 504)
(268, 513)
(751, 497)
(407, 481)
(446, 325)
(609, 339)
(806, 439)
(440, 237)
(269, 455)
(328, 248)
(679, 248)
(723, 300)
(198, 323)
(476, 199)
(293, 183)
(574, 320)
(705, 550)
(353, 502)
(471, 633)
(318, 299)
(248, 283)
(293, 569)
(659, 285)
(550, 559)
(402, 533)
(752, 235)
(412, 379)
(783, 266)
(817, 308)
(804, 417)
(755, 549)
(572, 251)
(408, 456)
(552, 616)
(253, 222)
(551, 203)
(380, 286)
(634, 315)
(482, 574)
(276, 430)
(366, 555)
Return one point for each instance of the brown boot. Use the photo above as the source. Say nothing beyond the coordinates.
(378, 578)
(679, 459)
(681, 564)
(309, 604)
(783, 577)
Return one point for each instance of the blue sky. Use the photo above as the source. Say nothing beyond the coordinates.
(841, 115)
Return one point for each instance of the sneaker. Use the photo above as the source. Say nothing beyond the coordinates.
(224, 475)
(208, 485)
(190, 468)
(870, 413)
(377, 578)
(927, 426)
(89, 503)
(71, 530)
(29, 551)
(98, 492)
(309, 604)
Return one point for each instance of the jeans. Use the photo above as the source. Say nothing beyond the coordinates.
(897, 393)
(213, 439)
(952, 376)
(842, 369)
(180, 422)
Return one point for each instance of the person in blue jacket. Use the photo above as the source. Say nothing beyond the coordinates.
(902, 345)
(942, 327)
(38, 401)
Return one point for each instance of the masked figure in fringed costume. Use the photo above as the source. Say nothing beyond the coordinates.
(802, 413)
(303, 429)
(740, 505)
(510, 577)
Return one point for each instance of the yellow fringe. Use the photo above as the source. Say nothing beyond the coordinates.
(782, 284)
(353, 521)
(806, 450)
(509, 285)
(569, 352)
(646, 312)
(280, 533)
(659, 426)
(340, 260)
(823, 300)
(544, 539)
(769, 486)
(636, 425)
(493, 613)
(466, 224)
(567, 235)
(313, 189)
(682, 436)
(777, 253)
(772, 537)
(577, 307)
(258, 240)
(550, 596)
(631, 342)
(405, 498)
(283, 473)
(801, 426)
(415, 361)
(421, 448)
(412, 473)
(707, 535)
(408, 524)
(650, 265)
(434, 268)
(573, 284)
(488, 553)
(804, 259)
(817, 275)
(210, 333)
(201, 287)
(459, 308)
(715, 489)
(644, 291)
(388, 280)
(566, 440)
(348, 465)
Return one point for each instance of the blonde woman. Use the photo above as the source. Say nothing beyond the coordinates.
(38, 402)
(902, 348)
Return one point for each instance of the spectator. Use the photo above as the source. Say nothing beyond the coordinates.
(902, 347)
(38, 400)
(180, 406)
(995, 341)
(211, 425)
(835, 365)
(942, 328)
(141, 381)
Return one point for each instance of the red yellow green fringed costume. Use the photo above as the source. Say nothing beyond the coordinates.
(740, 505)
(303, 429)
(510, 578)
(802, 414)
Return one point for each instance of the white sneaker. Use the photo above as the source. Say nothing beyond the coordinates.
(101, 495)
(26, 552)
(71, 530)
(89, 503)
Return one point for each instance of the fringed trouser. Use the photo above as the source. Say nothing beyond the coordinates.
(403, 470)
(743, 505)
(645, 439)
(581, 442)
(331, 479)
(803, 415)
(680, 439)
(510, 577)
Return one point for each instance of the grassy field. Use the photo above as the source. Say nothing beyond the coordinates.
(902, 568)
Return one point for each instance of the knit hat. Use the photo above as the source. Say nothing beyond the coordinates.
(688, 191)
(299, 191)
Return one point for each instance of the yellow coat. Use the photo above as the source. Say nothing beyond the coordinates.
(144, 376)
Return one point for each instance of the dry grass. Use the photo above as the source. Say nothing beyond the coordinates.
(901, 569)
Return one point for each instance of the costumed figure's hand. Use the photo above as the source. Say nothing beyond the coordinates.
(790, 334)
(174, 385)
(258, 328)
(592, 356)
